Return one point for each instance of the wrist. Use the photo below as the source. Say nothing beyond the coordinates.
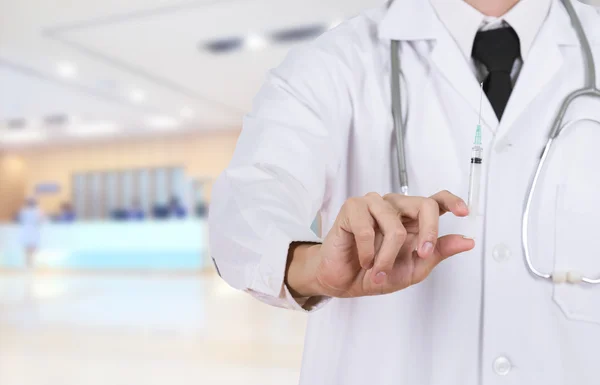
(301, 275)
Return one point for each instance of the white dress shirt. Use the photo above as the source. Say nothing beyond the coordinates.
(463, 22)
(321, 131)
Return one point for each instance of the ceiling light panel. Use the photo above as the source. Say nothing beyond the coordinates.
(294, 35)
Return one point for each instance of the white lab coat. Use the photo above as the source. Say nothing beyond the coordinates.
(321, 132)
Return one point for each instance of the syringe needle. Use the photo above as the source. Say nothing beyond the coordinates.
(480, 102)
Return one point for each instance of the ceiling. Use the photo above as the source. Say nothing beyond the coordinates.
(115, 68)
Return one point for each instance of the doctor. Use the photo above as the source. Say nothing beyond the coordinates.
(396, 295)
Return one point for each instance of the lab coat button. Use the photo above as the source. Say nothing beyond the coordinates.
(502, 366)
(501, 253)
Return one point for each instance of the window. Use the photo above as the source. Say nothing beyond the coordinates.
(102, 194)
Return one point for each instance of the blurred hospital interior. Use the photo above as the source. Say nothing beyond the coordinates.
(116, 116)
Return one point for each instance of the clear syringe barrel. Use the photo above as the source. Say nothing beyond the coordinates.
(475, 180)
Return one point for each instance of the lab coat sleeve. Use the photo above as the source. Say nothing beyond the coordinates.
(278, 179)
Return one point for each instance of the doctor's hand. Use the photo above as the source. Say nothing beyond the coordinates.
(377, 245)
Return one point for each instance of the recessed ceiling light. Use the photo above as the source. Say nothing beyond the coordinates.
(255, 42)
(222, 46)
(55, 119)
(137, 96)
(162, 122)
(186, 113)
(66, 69)
(16, 124)
(297, 34)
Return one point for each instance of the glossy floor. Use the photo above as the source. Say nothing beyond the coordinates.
(113, 329)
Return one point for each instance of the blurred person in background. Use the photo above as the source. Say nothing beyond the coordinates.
(202, 209)
(136, 212)
(396, 294)
(66, 214)
(30, 221)
(176, 209)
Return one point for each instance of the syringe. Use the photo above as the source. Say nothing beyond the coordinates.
(475, 177)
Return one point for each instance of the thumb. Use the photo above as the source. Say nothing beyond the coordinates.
(446, 247)
(450, 245)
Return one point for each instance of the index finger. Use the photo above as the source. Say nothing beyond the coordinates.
(427, 211)
(449, 202)
(409, 206)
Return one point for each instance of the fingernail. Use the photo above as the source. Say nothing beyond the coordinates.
(380, 277)
(427, 248)
(469, 238)
(462, 205)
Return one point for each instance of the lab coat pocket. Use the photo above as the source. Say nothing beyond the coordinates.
(577, 249)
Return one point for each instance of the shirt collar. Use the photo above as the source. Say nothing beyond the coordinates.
(527, 18)
(418, 20)
(463, 21)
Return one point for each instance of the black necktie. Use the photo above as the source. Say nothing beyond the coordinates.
(497, 50)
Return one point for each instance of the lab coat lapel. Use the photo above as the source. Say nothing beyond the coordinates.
(539, 68)
(450, 61)
(415, 20)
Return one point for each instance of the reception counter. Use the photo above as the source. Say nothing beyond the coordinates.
(151, 245)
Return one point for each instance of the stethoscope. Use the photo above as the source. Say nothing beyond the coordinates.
(590, 89)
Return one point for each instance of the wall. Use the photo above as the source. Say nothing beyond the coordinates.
(12, 185)
(202, 155)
